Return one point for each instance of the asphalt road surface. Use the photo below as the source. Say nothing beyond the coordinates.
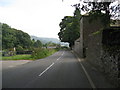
(61, 70)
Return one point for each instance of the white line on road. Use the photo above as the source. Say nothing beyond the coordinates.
(50, 65)
(87, 75)
(63, 53)
(60, 56)
(46, 69)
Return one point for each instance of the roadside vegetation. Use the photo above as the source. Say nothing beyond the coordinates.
(37, 54)
(42, 53)
(17, 45)
(69, 28)
(18, 57)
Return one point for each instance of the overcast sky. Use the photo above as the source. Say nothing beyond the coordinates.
(36, 17)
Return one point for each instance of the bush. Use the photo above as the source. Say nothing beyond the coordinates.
(42, 53)
(19, 48)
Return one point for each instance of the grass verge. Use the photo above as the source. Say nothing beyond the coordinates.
(18, 57)
(37, 54)
(42, 53)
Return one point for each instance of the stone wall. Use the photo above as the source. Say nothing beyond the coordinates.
(111, 36)
(111, 63)
(90, 46)
(92, 40)
(111, 54)
(77, 46)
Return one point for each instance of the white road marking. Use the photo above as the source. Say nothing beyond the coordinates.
(63, 53)
(60, 56)
(46, 69)
(87, 75)
(50, 65)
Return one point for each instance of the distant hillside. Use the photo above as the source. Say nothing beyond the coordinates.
(46, 40)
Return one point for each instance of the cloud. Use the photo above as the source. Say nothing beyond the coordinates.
(36, 17)
(4, 3)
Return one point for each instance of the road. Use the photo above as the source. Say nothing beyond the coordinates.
(60, 70)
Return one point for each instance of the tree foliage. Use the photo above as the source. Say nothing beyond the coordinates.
(16, 38)
(100, 8)
(0, 36)
(99, 5)
(37, 44)
(8, 37)
(69, 28)
(69, 31)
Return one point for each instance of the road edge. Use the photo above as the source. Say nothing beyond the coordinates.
(85, 71)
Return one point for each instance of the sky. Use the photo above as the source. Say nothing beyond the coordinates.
(40, 18)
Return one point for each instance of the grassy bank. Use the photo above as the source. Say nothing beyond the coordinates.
(37, 54)
(42, 53)
(18, 57)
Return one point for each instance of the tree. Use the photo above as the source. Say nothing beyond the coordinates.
(37, 44)
(12, 38)
(23, 39)
(8, 37)
(46, 45)
(69, 31)
(19, 48)
(100, 8)
(65, 25)
(0, 36)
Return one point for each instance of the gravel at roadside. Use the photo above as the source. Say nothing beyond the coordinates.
(14, 63)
